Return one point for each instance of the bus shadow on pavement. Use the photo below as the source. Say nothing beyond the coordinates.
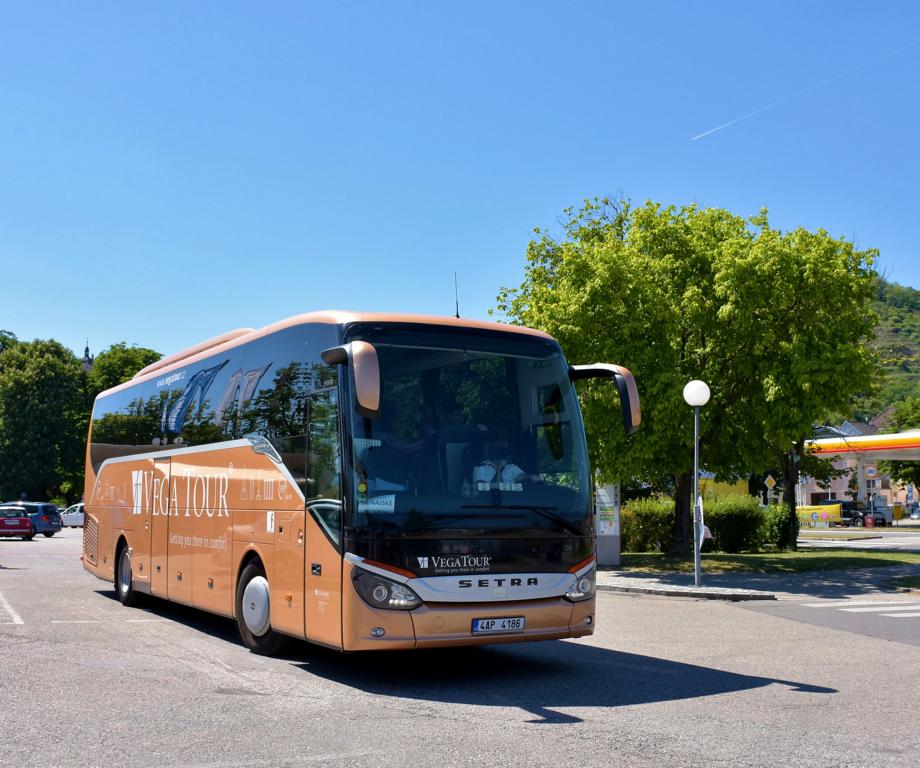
(211, 624)
(537, 677)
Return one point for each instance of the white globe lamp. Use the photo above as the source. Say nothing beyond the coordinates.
(696, 393)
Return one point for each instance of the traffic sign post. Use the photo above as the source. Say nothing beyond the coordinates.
(770, 482)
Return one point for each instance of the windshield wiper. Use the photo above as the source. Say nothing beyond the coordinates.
(547, 512)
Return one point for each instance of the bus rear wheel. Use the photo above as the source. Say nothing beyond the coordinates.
(124, 582)
(253, 612)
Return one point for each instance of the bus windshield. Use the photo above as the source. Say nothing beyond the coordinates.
(476, 433)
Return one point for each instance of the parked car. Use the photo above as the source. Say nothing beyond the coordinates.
(887, 512)
(44, 516)
(14, 522)
(856, 513)
(72, 517)
(915, 514)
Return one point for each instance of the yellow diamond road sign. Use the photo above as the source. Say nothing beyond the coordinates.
(770, 482)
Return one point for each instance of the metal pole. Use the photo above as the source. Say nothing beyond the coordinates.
(697, 575)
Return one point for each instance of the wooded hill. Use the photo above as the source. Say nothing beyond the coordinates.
(898, 346)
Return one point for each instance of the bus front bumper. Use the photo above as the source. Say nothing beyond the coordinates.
(446, 624)
(434, 625)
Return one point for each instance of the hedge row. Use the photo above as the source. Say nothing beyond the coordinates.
(645, 525)
(737, 523)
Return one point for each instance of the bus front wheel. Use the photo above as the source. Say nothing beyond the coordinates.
(124, 582)
(253, 612)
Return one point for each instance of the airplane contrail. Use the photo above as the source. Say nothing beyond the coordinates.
(805, 90)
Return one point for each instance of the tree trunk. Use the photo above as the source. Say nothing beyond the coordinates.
(755, 487)
(790, 465)
(681, 534)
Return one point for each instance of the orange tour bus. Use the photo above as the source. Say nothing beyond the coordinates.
(362, 481)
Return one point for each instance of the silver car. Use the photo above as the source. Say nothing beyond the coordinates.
(72, 517)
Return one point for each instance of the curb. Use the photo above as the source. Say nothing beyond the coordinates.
(697, 593)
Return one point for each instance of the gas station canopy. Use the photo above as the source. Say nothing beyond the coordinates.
(900, 446)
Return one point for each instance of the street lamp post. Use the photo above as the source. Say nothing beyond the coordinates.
(696, 395)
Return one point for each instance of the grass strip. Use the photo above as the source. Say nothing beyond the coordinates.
(802, 561)
(904, 583)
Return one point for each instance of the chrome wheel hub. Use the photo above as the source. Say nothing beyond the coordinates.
(256, 604)
(124, 571)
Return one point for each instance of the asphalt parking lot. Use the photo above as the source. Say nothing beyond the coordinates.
(664, 681)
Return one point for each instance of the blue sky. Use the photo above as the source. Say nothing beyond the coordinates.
(169, 171)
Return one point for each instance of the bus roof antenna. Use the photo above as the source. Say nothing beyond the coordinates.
(456, 297)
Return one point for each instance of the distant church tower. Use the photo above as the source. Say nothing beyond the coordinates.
(87, 361)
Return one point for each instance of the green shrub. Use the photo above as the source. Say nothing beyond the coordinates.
(780, 530)
(736, 523)
(646, 525)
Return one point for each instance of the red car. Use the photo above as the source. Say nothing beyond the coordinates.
(14, 522)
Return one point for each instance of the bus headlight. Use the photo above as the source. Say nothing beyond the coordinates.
(583, 589)
(380, 592)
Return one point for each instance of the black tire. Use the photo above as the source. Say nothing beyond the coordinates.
(124, 578)
(263, 641)
(857, 522)
(48, 534)
(28, 538)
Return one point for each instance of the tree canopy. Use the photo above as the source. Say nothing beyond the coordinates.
(42, 420)
(905, 416)
(45, 402)
(118, 364)
(777, 323)
(7, 340)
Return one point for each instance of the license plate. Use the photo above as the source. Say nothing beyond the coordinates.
(509, 624)
(11, 522)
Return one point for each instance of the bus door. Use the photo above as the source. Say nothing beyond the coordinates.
(159, 527)
(324, 574)
(323, 584)
(287, 604)
(180, 532)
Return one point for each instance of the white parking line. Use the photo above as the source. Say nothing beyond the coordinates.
(879, 609)
(74, 621)
(100, 621)
(852, 603)
(142, 621)
(891, 609)
(4, 603)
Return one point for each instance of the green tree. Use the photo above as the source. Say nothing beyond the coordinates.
(776, 323)
(117, 364)
(42, 409)
(904, 416)
(7, 340)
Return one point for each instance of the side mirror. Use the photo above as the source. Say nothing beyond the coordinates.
(626, 386)
(361, 358)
